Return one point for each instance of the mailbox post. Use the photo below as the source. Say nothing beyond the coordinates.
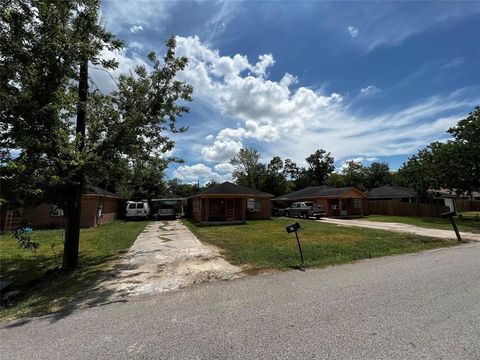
(295, 228)
(450, 215)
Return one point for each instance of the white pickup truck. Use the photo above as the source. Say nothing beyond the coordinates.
(305, 210)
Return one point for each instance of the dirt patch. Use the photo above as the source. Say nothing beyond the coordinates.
(166, 256)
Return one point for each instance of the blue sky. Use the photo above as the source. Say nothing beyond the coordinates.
(371, 81)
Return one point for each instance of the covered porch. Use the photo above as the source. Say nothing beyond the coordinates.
(224, 210)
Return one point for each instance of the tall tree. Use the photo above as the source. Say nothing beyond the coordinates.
(454, 165)
(176, 187)
(44, 43)
(419, 172)
(320, 166)
(461, 156)
(354, 174)
(275, 182)
(248, 171)
(376, 175)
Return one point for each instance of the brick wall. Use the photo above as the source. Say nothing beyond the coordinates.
(264, 213)
(40, 216)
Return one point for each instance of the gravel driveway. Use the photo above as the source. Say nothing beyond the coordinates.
(165, 256)
(403, 228)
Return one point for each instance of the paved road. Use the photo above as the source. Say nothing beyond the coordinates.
(403, 307)
(403, 228)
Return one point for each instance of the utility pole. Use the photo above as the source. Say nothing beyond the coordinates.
(74, 197)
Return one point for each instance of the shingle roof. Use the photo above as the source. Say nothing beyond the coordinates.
(99, 191)
(391, 192)
(227, 188)
(168, 196)
(314, 191)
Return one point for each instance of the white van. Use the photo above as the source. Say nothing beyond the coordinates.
(137, 210)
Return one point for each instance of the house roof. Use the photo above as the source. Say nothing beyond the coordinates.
(315, 191)
(168, 196)
(451, 193)
(95, 190)
(227, 188)
(391, 192)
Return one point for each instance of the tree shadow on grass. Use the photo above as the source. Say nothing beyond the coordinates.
(56, 294)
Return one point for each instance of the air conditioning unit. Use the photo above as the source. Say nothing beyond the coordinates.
(56, 212)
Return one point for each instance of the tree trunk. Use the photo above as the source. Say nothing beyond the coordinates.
(74, 196)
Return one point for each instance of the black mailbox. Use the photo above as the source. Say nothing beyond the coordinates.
(449, 214)
(293, 228)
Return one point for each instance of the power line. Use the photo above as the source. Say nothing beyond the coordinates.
(93, 83)
(188, 180)
(108, 72)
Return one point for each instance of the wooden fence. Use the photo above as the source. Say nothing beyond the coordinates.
(397, 208)
(467, 205)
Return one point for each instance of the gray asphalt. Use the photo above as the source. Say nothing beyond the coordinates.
(415, 306)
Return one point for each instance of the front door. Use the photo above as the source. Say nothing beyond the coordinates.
(229, 210)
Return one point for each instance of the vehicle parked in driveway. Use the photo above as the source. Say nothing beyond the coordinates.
(167, 212)
(278, 211)
(305, 210)
(137, 210)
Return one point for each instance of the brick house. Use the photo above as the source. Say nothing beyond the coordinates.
(338, 202)
(229, 203)
(98, 207)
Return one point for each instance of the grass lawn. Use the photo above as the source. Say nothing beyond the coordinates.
(43, 292)
(465, 223)
(265, 244)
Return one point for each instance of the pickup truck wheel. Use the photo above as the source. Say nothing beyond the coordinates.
(317, 217)
(305, 215)
(287, 214)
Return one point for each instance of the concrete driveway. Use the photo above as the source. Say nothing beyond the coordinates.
(402, 228)
(165, 256)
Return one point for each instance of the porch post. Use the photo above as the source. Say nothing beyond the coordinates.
(243, 208)
(207, 211)
(341, 206)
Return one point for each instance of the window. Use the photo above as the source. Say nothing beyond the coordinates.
(357, 203)
(139, 205)
(335, 207)
(254, 205)
(309, 204)
(56, 211)
(132, 205)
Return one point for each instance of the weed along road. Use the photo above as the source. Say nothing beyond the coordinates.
(422, 305)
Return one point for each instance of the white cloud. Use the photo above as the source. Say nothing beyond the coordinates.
(121, 15)
(264, 62)
(364, 160)
(221, 150)
(353, 31)
(455, 62)
(223, 168)
(200, 172)
(136, 28)
(293, 122)
(369, 90)
(136, 45)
